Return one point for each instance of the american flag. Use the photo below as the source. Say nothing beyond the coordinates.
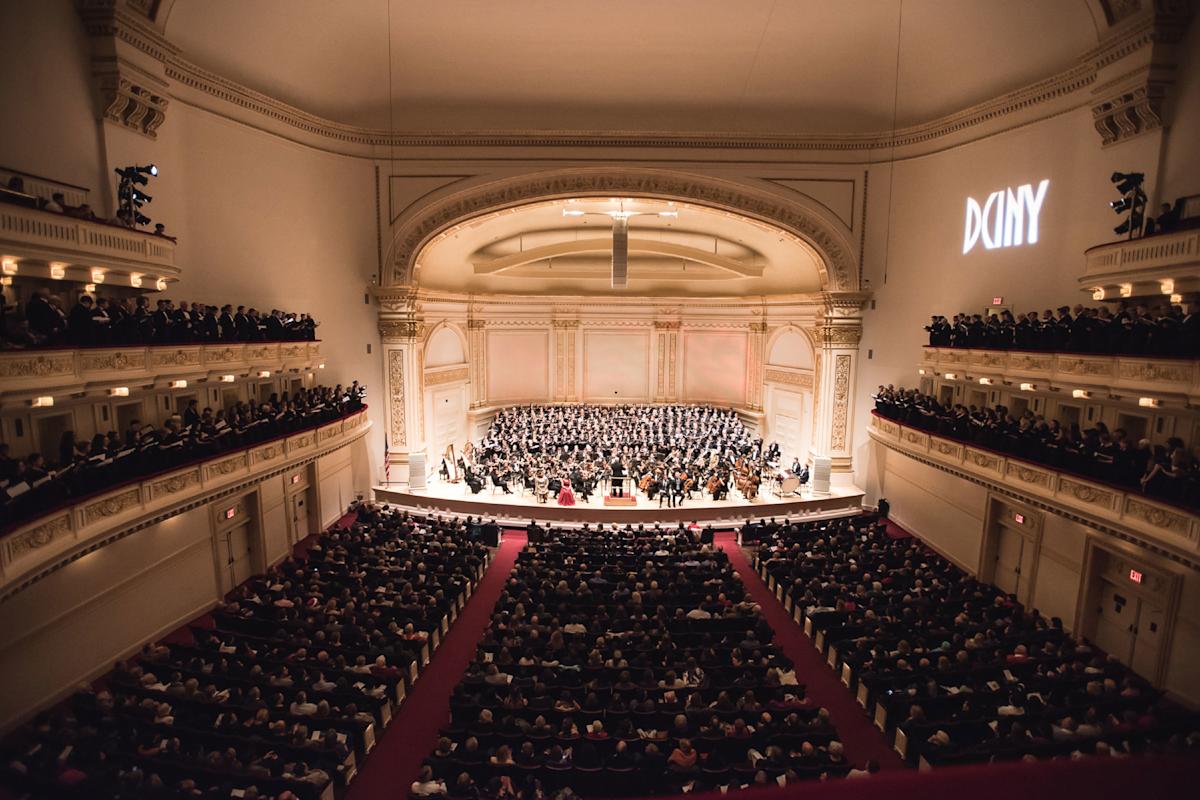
(387, 465)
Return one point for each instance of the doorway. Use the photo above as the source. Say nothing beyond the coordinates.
(1129, 627)
(239, 553)
(1012, 570)
(301, 516)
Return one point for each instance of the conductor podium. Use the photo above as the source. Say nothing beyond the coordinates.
(620, 492)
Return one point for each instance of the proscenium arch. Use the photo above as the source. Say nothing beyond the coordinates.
(835, 259)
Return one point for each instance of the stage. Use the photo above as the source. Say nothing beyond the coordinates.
(517, 508)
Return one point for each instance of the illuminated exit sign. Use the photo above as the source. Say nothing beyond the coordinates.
(1135, 576)
(1007, 218)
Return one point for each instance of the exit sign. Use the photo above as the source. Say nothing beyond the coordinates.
(997, 300)
(1019, 519)
(230, 513)
(1135, 576)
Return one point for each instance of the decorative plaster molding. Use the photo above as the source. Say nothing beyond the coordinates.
(39, 537)
(37, 366)
(111, 506)
(841, 395)
(446, 376)
(1130, 113)
(399, 329)
(835, 262)
(129, 104)
(395, 376)
(174, 484)
(801, 379)
(227, 466)
(174, 358)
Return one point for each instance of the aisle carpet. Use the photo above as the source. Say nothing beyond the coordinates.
(860, 737)
(396, 759)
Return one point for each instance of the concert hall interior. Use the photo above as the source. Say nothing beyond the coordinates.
(540, 400)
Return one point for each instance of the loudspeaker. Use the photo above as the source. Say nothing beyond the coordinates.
(416, 470)
(820, 474)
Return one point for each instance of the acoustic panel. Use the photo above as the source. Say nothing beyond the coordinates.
(518, 365)
(714, 366)
(616, 366)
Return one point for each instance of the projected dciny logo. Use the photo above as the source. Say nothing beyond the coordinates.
(1008, 218)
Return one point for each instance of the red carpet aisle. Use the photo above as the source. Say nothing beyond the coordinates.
(862, 740)
(394, 762)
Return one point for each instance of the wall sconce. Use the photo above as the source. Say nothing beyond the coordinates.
(97, 276)
(922, 371)
(160, 284)
(321, 365)
(986, 381)
(1148, 402)
(119, 391)
(135, 280)
(58, 270)
(1167, 285)
(1028, 387)
(45, 401)
(1126, 290)
(228, 378)
(6, 280)
(90, 288)
(264, 373)
(180, 384)
(1080, 394)
(9, 265)
(950, 376)
(1176, 299)
(1098, 293)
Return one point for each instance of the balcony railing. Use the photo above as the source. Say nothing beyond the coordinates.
(1136, 375)
(47, 372)
(1138, 267)
(62, 533)
(1159, 522)
(33, 240)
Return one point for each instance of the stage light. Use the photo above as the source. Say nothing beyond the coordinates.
(1080, 394)
(1133, 201)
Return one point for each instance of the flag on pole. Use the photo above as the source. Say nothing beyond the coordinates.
(387, 465)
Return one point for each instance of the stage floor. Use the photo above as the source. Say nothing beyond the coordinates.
(517, 508)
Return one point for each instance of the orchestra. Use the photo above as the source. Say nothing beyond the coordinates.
(668, 453)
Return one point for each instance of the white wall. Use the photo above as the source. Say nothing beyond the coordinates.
(616, 366)
(714, 366)
(518, 365)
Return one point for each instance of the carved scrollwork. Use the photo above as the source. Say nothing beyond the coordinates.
(841, 394)
(39, 537)
(1158, 517)
(174, 484)
(110, 506)
(36, 366)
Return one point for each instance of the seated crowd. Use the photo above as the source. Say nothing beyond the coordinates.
(15, 192)
(35, 484)
(625, 663)
(1170, 472)
(1161, 329)
(965, 671)
(279, 693)
(104, 321)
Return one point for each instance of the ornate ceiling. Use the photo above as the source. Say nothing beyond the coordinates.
(753, 66)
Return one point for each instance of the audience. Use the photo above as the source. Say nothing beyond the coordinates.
(30, 486)
(1160, 329)
(283, 693)
(966, 672)
(596, 676)
(103, 321)
(1169, 472)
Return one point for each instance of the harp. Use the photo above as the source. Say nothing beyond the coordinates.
(451, 464)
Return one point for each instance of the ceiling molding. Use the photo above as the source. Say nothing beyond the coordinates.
(1054, 95)
(604, 245)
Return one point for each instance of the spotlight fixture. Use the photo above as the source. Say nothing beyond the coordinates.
(130, 199)
(1132, 201)
(620, 235)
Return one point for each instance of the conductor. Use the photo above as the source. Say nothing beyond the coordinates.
(618, 477)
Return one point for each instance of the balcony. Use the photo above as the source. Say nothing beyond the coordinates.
(1157, 522)
(28, 373)
(1168, 379)
(1166, 263)
(69, 532)
(50, 245)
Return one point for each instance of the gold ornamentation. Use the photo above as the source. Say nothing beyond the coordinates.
(1149, 371)
(1085, 493)
(116, 362)
(224, 354)
(174, 358)
(803, 380)
(1083, 366)
(946, 449)
(983, 459)
(110, 506)
(40, 536)
(174, 483)
(36, 367)
(396, 383)
(267, 453)
(399, 329)
(841, 394)
(292, 351)
(1158, 517)
(452, 375)
(300, 442)
(1027, 475)
(227, 466)
(846, 335)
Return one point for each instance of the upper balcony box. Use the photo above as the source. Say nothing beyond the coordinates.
(47, 244)
(1162, 265)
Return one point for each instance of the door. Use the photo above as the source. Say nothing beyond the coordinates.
(300, 516)
(1147, 637)
(1116, 619)
(1010, 548)
(238, 554)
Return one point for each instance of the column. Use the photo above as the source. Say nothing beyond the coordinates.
(400, 335)
(665, 346)
(564, 360)
(838, 333)
(477, 361)
(754, 366)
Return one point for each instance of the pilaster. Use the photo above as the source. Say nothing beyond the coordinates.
(400, 332)
(838, 333)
